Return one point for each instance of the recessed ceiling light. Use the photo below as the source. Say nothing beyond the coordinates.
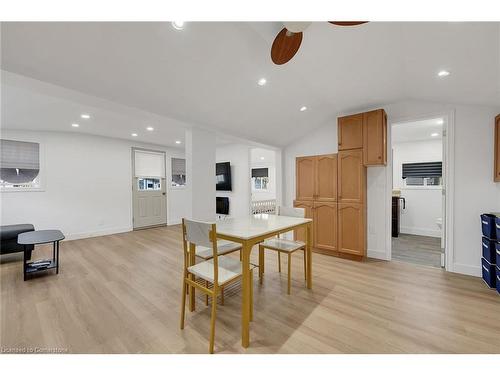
(75, 125)
(443, 73)
(85, 116)
(440, 121)
(262, 82)
(178, 142)
(134, 134)
(150, 128)
(303, 108)
(434, 134)
(262, 158)
(178, 25)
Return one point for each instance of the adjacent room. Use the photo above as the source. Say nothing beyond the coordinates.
(250, 187)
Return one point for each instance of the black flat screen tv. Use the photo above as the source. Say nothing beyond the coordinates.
(222, 205)
(223, 176)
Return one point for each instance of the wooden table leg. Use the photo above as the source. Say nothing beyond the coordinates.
(309, 255)
(192, 260)
(245, 292)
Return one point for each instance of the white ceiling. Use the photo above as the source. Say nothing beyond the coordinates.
(206, 74)
(417, 130)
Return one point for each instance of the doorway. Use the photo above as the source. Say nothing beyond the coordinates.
(420, 152)
(149, 198)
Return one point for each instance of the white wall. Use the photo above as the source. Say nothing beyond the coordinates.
(87, 185)
(239, 198)
(475, 191)
(423, 204)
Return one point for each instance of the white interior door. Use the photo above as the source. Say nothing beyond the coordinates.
(149, 189)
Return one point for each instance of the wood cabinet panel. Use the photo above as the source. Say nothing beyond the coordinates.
(351, 177)
(325, 228)
(300, 234)
(305, 177)
(350, 132)
(497, 149)
(375, 138)
(326, 178)
(351, 229)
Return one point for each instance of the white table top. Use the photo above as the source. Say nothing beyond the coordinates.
(257, 225)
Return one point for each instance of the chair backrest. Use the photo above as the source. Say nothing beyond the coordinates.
(291, 211)
(199, 233)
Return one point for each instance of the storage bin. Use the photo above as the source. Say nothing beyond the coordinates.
(489, 250)
(498, 279)
(489, 226)
(489, 273)
(497, 250)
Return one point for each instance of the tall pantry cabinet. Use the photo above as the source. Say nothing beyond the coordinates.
(332, 188)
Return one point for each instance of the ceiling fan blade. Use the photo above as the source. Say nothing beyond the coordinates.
(347, 23)
(285, 46)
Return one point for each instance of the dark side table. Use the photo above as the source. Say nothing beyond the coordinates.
(39, 237)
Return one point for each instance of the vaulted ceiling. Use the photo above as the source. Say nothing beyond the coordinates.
(207, 73)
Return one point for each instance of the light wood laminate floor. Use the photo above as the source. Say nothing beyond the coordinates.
(121, 294)
(422, 250)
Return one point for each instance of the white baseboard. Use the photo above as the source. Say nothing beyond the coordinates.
(104, 232)
(421, 231)
(467, 269)
(377, 254)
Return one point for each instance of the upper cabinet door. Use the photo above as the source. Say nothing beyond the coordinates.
(326, 178)
(351, 177)
(350, 132)
(497, 149)
(305, 176)
(375, 138)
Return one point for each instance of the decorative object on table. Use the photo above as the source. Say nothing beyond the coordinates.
(490, 244)
(8, 237)
(39, 237)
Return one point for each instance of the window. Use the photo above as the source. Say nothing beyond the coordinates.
(148, 184)
(19, 165)
(178, 172)
(260, 178)
(423, 174)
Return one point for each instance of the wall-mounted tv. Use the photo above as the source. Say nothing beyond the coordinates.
(222, 205)
(223, 176)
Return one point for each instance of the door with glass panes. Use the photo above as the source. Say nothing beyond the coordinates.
(148, 188)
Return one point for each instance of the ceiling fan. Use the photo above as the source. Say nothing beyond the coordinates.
(287, 42)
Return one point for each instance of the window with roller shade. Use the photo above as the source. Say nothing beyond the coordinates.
(178, 172)
(19, 165)
(423, 174)
(260, 178)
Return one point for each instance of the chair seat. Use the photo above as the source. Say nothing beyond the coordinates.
(229, 268)
(282, 244)
(223, 247)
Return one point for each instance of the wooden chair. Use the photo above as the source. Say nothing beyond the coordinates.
(218, 271)
(282, 245)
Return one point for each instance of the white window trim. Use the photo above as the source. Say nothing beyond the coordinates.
(41, 174)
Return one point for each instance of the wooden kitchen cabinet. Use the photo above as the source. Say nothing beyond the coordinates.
(351, 177)
(497, 149)
(325, 228)
(375, 138)
(300, 234)
(350, 132)
(305, 177)
(325, 184)
(352, 229)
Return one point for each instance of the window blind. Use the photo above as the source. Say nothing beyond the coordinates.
(431, 169)
(178, 166)
(149, 164)
(260, 172)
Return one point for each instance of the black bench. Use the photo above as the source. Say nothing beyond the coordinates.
(8, 238)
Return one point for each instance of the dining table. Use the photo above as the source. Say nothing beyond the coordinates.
(250, 231)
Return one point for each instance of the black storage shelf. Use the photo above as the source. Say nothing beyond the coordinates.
(31, 269)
